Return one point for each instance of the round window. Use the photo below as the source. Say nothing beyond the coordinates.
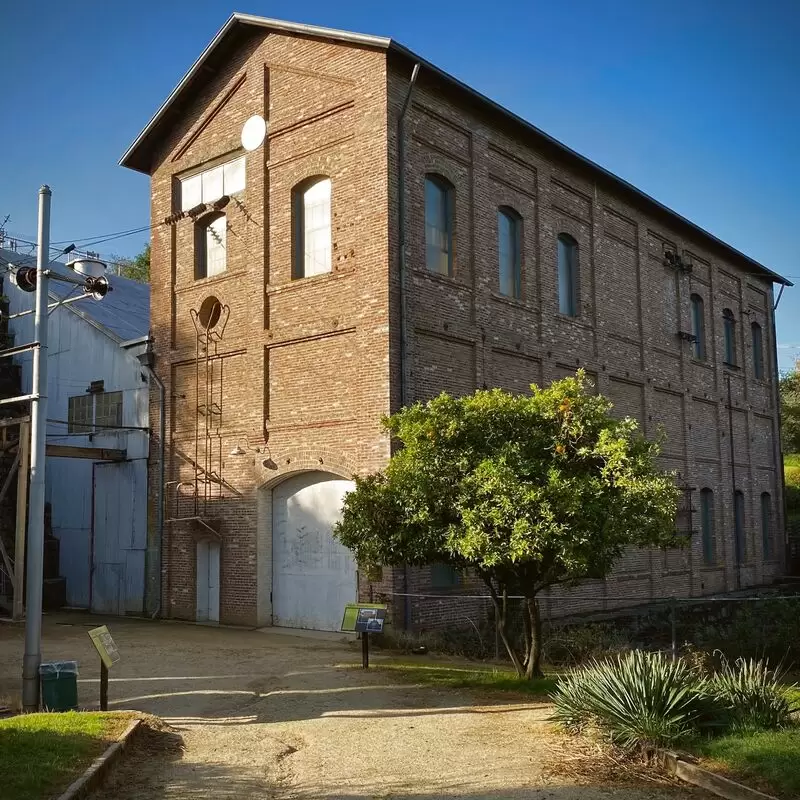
(210, 312)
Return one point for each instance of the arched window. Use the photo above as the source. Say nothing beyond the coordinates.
(729, 334)
(758, 351)
(209, 245)
(738, 525)
(766, 524)
(439, 202)
(707, 525)
(567, 275)
(698, 328)
(509, 224)
(311, 227)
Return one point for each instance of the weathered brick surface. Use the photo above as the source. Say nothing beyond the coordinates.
(631, 309)
(301, 374)
(306, 368)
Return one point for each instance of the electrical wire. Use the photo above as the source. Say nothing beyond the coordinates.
(125, 232)
(112, 237)
(87, 243)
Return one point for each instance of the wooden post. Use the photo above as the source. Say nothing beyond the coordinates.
(103, 686)
(18, 610)
(365, 650)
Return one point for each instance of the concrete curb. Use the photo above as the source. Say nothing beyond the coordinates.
(99, 768)
(710, 781)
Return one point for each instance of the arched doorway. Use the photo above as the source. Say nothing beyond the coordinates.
(313, 575)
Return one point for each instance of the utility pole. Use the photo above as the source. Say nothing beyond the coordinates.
(33, 619)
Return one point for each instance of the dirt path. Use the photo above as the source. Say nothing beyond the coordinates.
(266, 715)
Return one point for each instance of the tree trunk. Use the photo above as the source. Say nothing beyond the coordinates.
(533, 668)
(501, 621)
(526, 635)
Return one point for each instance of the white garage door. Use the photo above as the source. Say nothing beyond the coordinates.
(313, 576)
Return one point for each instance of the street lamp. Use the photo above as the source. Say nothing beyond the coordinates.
(89, 276)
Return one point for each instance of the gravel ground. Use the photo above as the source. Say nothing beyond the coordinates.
(268, 715)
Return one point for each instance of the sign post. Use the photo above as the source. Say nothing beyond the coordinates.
(365, 649)
(109, 655)
(364, 618)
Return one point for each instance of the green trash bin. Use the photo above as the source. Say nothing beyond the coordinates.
(59, 685)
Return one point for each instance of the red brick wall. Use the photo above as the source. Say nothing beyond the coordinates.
(306, 368)
(300, 376)
(463, 334)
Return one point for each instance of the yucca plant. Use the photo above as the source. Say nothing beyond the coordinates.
(752, 693)
(640, 699)
(573, 709)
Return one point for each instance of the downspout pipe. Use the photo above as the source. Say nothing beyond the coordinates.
(162, 432)
(738, 545)
(401, 204)
(401, 222)
(776, 398)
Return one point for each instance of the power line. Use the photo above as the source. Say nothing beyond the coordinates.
(112, 237)
(84, 244)
(125, 232)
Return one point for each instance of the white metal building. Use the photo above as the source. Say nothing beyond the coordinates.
(98, 394)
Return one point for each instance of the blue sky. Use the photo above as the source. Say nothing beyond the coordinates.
(694, 101)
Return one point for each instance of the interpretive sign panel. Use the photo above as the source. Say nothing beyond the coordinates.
(104, 644)
(364, 617)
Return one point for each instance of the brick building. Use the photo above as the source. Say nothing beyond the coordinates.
(396, 234)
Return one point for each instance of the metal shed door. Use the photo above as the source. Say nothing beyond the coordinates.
(119, 537)
(313, 576)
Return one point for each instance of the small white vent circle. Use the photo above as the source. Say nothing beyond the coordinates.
(253, 132)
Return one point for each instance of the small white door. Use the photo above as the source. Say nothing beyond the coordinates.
(208, 581)
(313, 575)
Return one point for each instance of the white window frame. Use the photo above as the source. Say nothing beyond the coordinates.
(214, 255)
(313, 229)
(213, 183)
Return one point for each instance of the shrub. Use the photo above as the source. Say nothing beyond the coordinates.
(752, 694)
(791, 473)
(571, 645)
(469, 640)
(640, 700)
(572, 701)
(769, 629)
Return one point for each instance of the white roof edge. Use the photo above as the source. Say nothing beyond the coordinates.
(366, 39)
(137, 341)
(263, 22)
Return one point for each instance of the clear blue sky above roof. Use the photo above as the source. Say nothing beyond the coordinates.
(694, 103)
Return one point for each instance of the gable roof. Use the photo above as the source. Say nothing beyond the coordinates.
(138, 156)
(123, 314)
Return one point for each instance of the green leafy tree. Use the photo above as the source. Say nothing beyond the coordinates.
(137, 269)
(527, 491)
(789, 386)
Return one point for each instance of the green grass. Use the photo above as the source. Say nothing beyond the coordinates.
(768, 759)
(43, 753)
(791, 460)
(451, 676)
(793, 695)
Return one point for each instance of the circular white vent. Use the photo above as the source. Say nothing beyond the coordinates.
(253, 132)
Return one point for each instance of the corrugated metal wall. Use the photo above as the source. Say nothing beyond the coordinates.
(80, 353)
